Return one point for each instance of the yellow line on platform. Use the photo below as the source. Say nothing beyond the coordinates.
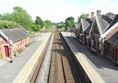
(28, 68)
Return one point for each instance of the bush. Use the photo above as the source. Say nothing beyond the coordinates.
(8, 24)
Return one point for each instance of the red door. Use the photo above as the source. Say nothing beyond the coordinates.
(6, 49)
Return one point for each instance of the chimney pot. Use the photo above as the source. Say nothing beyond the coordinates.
(98, 12)
(87, 16)
(92, 15)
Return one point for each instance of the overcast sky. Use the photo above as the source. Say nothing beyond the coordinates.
(59, 10)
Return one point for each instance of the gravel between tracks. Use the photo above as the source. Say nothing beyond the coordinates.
(44, 71)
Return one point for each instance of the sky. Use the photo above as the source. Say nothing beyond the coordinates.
(59, 10)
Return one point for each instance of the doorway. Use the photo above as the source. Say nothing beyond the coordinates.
(6, 49)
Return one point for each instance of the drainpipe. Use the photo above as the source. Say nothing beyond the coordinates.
(10, 50)
(102, 45)
(10, 54)
(92, 15)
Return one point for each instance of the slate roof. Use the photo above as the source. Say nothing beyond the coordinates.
(113, 22)
(86, 24)
(103, 22)
(15, 34)
(114, 39)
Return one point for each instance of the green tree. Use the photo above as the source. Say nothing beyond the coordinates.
(22, 17)
(61, 24)
(69, 22)
(5, 16)
(83, 16)
(19, 16)
(48, 23)
(8, 24)
(35, 27)
(38, 24)
(39, 21)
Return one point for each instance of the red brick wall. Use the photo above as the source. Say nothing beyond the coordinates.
(2, 44)
(20, 44)
(16, 46)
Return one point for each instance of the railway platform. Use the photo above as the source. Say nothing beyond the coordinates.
(10, 71)
(98, 69)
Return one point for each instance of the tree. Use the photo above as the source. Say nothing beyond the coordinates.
(69, 22)
(83, 16)
(19, 16)
(22, 17)
(8, 24)
(61, 24)
(5, 16)
(39, 21)
(48, 23)
(35, 27)
(38, 24)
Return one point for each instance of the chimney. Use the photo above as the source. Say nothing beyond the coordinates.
(87, 16)
(92, 14)
(98, 12)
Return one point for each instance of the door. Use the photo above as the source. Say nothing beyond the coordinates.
(116, 54)
(6, 49)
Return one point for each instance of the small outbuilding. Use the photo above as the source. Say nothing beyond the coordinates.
(13, 40)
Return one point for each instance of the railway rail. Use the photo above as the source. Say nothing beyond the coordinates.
(63, 66)
(60, 69)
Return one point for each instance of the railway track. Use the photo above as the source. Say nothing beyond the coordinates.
(63, 67)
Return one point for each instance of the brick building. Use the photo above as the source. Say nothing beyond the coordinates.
(13, 40)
